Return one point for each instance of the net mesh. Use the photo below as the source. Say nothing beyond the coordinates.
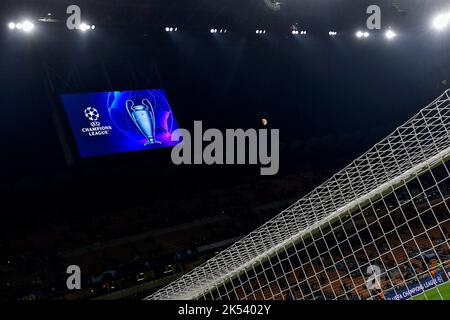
(378, 229)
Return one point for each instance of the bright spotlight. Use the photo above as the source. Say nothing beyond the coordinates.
(360, 34)
(93, 27)
(167, 29)
(27, 26)
(11, 25)
(84, 27)
(332, 33)
(441, 21)
(19, 26)
(390, 34)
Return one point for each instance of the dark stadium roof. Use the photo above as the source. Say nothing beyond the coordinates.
(235, 14)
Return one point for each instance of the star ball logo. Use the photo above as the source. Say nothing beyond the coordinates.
(96, 129)
(93, 115)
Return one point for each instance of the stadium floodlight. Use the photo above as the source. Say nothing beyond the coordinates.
(441, 21)
(390, 35)
(27, 26)
(93, 27)
(389, 208)
(332, 33)
(84, 27)
(362, 34)
(175, 29)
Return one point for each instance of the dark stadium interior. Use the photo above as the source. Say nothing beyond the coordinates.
(135, 222)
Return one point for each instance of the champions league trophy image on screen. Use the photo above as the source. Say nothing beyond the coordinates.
(143, 117)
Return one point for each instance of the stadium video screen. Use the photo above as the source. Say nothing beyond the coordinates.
(105, 123)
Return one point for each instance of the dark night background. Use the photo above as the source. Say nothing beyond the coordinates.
(331, 98)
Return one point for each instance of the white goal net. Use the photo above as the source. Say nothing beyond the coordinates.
(378, 229)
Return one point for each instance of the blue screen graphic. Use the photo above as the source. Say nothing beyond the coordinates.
(120, 121)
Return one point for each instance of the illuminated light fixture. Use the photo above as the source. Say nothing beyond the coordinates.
(84, 27)
(260, 31)
(27, 26)
(218, 31)
(171, 29)
(332, 33)
(441, 21)
(296, 32)
(390, 35)
(360, 34)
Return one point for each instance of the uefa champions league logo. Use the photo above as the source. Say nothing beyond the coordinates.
(96, 129)
(93, 115)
